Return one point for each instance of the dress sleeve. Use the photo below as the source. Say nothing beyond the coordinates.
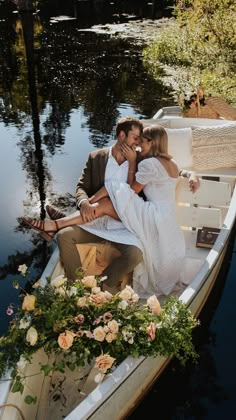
(146, 172)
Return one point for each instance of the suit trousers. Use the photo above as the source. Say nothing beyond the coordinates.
(69, 237)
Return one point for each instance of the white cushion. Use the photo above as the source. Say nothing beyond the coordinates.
(180, 146)
(214, 147)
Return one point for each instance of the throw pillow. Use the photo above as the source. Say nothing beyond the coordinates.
(180, 146)
(214, 147)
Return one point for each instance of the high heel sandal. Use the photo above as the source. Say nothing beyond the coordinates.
(53, 213)
(39, 225)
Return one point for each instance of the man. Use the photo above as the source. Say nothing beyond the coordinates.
(103, 164)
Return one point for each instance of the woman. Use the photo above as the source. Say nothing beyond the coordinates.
(153, 222)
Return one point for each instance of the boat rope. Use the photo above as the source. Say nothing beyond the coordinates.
(16, 407)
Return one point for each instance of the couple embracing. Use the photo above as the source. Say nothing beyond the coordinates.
(144, 229)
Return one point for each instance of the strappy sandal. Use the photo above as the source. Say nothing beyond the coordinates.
(39, 225)
(53, 213)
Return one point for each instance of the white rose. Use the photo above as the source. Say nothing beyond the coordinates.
(72, 291)
(135, 297)
(96, 290)
(32, 336)
(22, 363)
(60, 291)
(123, 305)
(126, 293)
(23, 269)
(58, 281)
(24, 323)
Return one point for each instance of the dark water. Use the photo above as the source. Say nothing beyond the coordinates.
(63, 85)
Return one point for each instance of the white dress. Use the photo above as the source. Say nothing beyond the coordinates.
(153, 223)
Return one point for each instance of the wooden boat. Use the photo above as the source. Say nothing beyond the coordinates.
(212, 206)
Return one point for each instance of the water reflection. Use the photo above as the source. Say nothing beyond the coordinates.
(64, 84)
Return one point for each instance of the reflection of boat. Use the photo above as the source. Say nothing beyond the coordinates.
(213, 206)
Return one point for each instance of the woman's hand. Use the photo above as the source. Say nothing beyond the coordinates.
(129, 152)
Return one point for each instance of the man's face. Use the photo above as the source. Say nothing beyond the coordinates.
(133, 137)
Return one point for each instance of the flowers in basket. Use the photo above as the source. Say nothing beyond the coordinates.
(195, 104)
(192, 99)
(81, 323)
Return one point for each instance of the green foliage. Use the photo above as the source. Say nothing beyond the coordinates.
(75, 324)
(198, 48)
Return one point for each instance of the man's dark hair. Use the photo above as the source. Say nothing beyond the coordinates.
(126, 123)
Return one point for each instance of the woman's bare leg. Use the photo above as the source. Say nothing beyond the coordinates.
(105, 207)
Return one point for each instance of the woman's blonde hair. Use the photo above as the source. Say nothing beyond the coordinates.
(158, 135)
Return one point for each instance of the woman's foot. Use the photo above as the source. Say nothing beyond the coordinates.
(53, 213)
(47, 229)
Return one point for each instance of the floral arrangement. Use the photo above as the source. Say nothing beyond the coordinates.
(81, 323)
(192, 99)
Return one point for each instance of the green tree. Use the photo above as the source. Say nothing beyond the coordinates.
(198, 48)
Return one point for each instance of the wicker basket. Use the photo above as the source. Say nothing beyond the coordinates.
(201, 112)
(225, 110)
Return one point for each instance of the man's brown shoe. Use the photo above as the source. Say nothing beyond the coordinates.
(54, 214)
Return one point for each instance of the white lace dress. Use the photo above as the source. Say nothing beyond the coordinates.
(154, 223)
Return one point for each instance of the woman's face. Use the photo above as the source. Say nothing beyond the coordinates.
(146, 147)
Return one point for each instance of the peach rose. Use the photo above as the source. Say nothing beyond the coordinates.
(151, 331)
(110, 337)
(108, 295)
(96, 290)
(65, 340)
(37, 284)
(113, 326)
(104, 362)
(29, 302)
(32, 336)
(99, 334)
(89, 281)
(82, 302)
(58, 281)
(98, 299)
(154, 304)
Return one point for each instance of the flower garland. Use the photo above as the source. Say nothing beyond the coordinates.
(82, 321)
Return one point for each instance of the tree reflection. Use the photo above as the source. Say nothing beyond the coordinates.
(50, 69)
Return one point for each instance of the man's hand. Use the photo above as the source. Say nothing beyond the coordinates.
(88, 211)
(193, 182)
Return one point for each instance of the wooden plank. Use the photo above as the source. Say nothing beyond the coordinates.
(198, 216)
(210, 193)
